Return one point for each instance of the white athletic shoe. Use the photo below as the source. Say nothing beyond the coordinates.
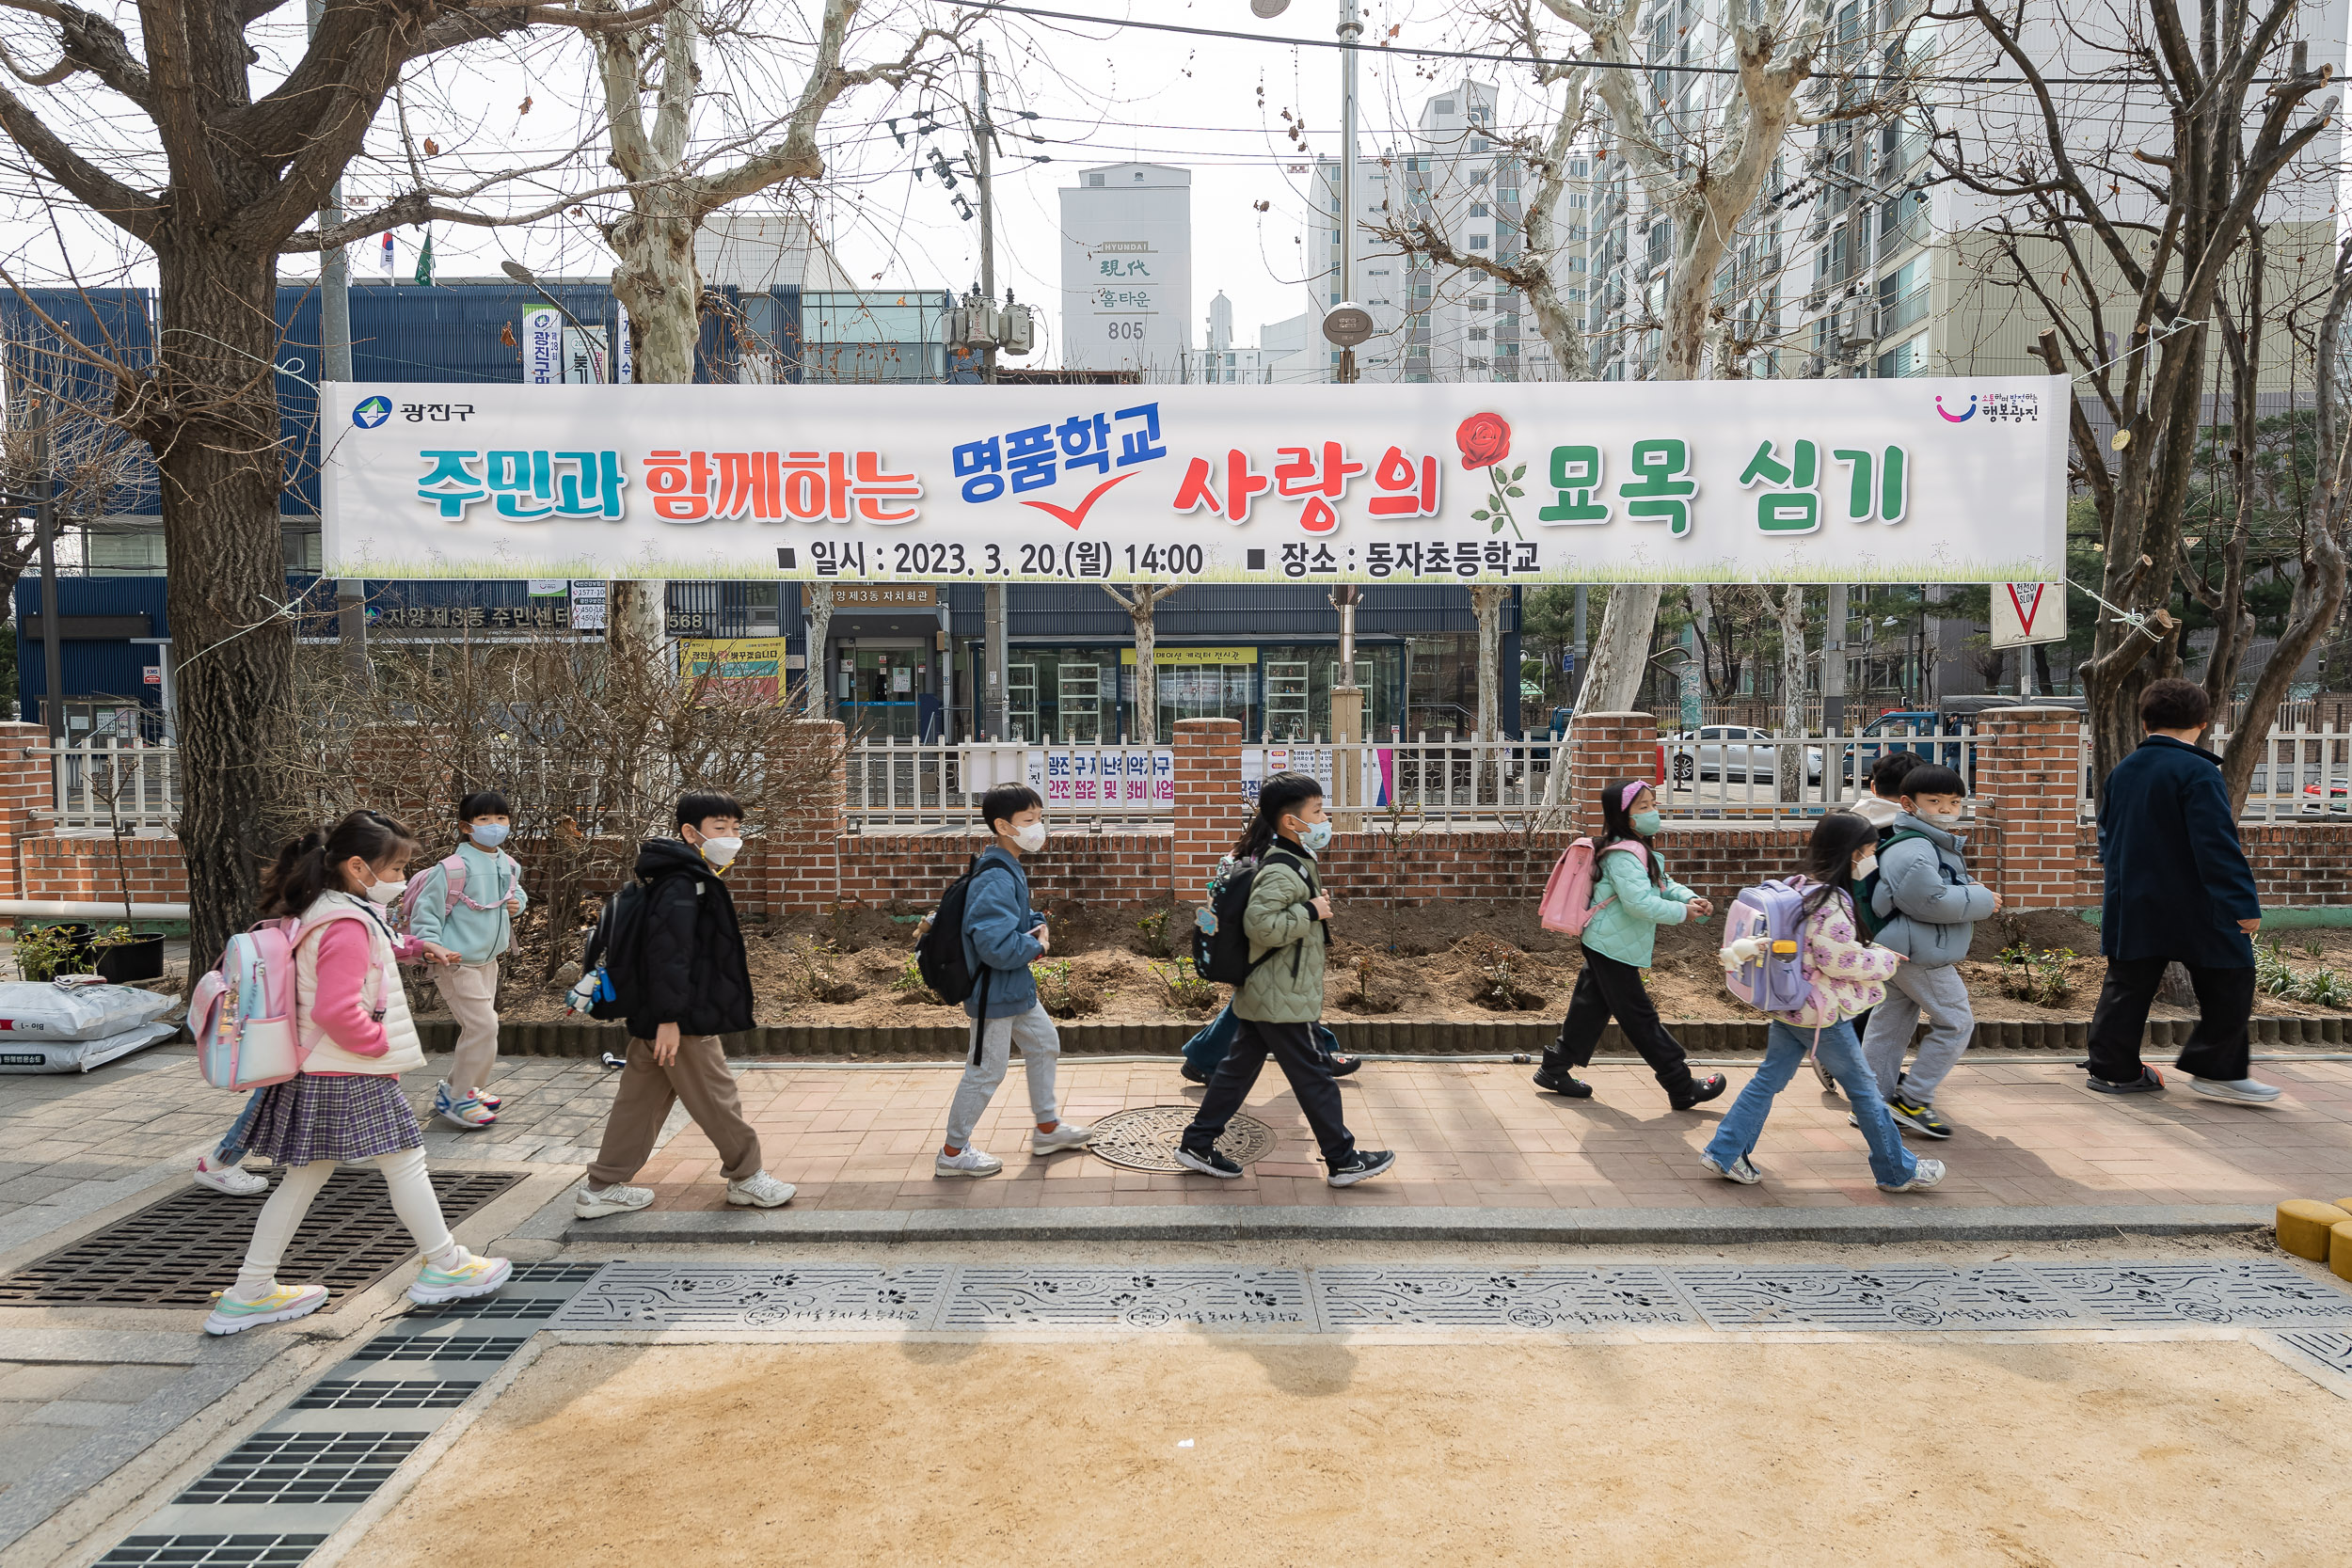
(1927, 1174)
(615, 1199)
(1066, 1135)
(1740, 1170)
(972, 1162)
(2241, 1091)
(760, 1190)
(233, 1179)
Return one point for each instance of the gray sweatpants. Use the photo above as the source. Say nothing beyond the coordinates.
(1942, 996)
(1040, 1053)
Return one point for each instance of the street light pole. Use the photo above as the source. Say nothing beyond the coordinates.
(995, 696)
(1351, 27)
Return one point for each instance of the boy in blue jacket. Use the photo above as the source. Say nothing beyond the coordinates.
(477, 919)
(1002, 937)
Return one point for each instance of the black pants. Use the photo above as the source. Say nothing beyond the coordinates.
(1607, 988)
(2219, 1048)
(1302, 1062)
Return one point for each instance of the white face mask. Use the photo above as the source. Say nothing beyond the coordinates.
(721, 851)
(1864, 866)
(1030, 836)
(386, 893)
(1944, 819)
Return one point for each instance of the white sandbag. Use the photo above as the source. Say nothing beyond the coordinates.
(29, 1055)
(37, 1010)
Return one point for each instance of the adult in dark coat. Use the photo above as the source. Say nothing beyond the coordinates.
(2178, 890)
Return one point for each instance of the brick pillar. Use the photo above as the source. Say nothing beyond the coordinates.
(25, 789)
(1210, 811)
(803, 856)
(2029, 788)
(1601, 747)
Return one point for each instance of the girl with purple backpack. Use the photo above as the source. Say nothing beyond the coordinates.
(1633, 896)
(1846, 975)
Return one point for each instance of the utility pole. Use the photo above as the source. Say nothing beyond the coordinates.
(1576, 685)
(996, 697)
(1351, 27)
(351, 593)
(51, 634)
(1833, 661)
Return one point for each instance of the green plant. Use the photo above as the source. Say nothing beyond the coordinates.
(1187, 992)
(2320, 987)
(43, 952)
(113, 936)
(1155, 930)
(2037, 975)
(812, 976)
(1062, 990)
(909, 982)
(2271, 974)
(2324, 988)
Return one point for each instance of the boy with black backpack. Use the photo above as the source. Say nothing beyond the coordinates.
(1001, 937)
(672, 954)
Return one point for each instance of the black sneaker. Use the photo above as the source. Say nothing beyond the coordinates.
(1193, 1074)
(1360, 1165)
(1921, 1119)
(1208, 1161)
(1558, 1079)
(2147, 1082)
(1342, 1066)
(1702, 1091)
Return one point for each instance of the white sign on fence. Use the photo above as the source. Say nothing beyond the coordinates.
(587, 606)
(1082, 778)
(2028, 613)
(1913, 479)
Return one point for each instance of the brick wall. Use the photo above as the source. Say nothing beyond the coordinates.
(1210, 813)
(25, 789)
(2028, 768)
(82, 869)
(1109, 867)
(1601, 747)
(800, 866)
(2297, 864)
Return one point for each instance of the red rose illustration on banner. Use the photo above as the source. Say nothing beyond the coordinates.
(1486, 442)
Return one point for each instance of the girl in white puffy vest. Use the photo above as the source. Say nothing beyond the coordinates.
(346, 1106)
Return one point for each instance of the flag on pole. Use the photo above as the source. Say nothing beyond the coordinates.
(424, 261)
(386, 253)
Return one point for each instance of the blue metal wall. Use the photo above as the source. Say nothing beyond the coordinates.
(1226, 611)
(91, 667)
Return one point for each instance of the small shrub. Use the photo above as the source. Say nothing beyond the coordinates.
(1155, 930)
(1064, 992)
(813, 976)
(1373, 993)
(1502, 984)
(44, 951)
(2324, 988)
(2320, 987)
(2037, 975)
(908, 986)
(1187, 992)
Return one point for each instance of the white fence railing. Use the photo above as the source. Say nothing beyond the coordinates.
(911, 784)
(1742, 779)
(1445, 780)
(2301, 772)
(110, 786)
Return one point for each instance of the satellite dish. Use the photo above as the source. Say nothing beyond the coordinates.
(1266, 10)
(1348, 324)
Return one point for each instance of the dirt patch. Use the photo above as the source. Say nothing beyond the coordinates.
(1443, 961)
(1324, 1450)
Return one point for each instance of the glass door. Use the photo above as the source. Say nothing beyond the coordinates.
(1287, 710)
(1021, 699)
(883, 692)
(1079, 700)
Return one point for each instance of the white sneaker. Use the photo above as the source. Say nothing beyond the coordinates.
(1066, 1135)
(233, 1179)
(2242, 1091)
(760, 1190)
(615, 1199)
(1925, 1175)
(1740, 1170)
(970, 1163)
(284, 1304)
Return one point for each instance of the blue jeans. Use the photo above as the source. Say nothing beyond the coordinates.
(232, 1151)
(1784, 1052)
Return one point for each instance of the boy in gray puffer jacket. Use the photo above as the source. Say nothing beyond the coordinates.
(1930, 907)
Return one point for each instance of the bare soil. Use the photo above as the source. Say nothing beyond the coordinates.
(1327, 1450)
(1434, 962)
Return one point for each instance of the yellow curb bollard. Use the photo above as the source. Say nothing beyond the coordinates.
(2340, 1250)
(2304, 1227)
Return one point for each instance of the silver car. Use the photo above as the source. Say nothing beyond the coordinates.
(1729, 753)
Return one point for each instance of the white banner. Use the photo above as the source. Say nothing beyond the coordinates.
(1886, 481)
(543, 346)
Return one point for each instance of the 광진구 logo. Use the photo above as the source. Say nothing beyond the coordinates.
(372, 411)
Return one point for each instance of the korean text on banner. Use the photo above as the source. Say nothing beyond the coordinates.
(1917, 479)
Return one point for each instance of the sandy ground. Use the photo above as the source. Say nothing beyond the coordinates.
(1324, 1450)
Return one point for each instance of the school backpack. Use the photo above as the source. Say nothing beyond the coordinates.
(1773, 980)
(242, 1013)
(453, 883)
(1220, 948)
(1866, 910)
(939, 950)
(1567, 904)
(609, 963)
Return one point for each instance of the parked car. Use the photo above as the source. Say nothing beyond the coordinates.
(1911, 729)
(2333, 796)
(1730, 752)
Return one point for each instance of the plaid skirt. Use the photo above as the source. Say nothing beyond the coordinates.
(340, 1116)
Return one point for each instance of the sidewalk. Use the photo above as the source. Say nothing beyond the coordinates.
(1481, 1135)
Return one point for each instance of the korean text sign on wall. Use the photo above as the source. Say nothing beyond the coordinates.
(1884, 481)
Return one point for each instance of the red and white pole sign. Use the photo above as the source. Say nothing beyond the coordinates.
(2028, 613)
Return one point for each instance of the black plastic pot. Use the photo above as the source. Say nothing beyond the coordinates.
(139, 958)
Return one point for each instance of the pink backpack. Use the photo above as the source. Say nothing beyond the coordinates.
(1567, 904)
(454, 880)
(243, 1012)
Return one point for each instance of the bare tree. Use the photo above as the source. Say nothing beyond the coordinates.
(57, 436)
(1142, 604)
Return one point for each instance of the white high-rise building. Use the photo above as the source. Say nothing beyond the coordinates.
(1127, 270)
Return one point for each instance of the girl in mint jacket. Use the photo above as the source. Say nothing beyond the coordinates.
(1633, 896)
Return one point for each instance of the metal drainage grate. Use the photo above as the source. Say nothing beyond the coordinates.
(177, 1252)
(385, 1395)
(1144, 1138)
(212, 1551)
(517, 1308)
(440, 1347)
(304, 1467)
(557, 1274)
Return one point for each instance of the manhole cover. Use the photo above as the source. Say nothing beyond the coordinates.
(177, 1252)
(1144, 1138)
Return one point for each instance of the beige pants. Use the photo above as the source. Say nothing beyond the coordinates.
(471, 991)
(641, 1102)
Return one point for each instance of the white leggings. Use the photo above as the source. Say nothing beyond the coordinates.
(413, 1201)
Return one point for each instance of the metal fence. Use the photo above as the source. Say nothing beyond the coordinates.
(1743, 780)
(912, 783)
(125, 787)
(2301, 772)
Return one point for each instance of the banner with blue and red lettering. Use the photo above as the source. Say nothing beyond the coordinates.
(1912, 479)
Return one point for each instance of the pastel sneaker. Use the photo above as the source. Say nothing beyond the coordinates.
(1066, 1135)
(464, 1279)
(619, 1198)
(284, 1304)
(466, 1111)
(494, 1101)
(235, 1181)
(760, 1190)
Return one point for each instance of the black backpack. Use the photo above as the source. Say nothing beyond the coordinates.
(612, 947)
(939, 951)
(1866, 912)
(1223, 954)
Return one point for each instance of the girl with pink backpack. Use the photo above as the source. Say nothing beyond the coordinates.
(353, 1041)
(1839, 974)
(1620, 894)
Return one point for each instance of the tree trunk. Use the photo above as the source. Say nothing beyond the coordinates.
(213, 422)
(1791, 757)
(1146, 617)
(818, 678)
(657, 281)
(1487, 602)
(1621, 648)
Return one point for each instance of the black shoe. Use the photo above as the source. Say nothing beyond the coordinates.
(1921, 1119)
(1554, 1077)
(1193, 1074)
(1360, 1165)
(2149, 1082)
(1342, 1066)
(1701, 1091)
(1208, 1161)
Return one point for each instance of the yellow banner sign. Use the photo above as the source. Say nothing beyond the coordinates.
(880, 595)
(1166, 655)
(741, 669)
